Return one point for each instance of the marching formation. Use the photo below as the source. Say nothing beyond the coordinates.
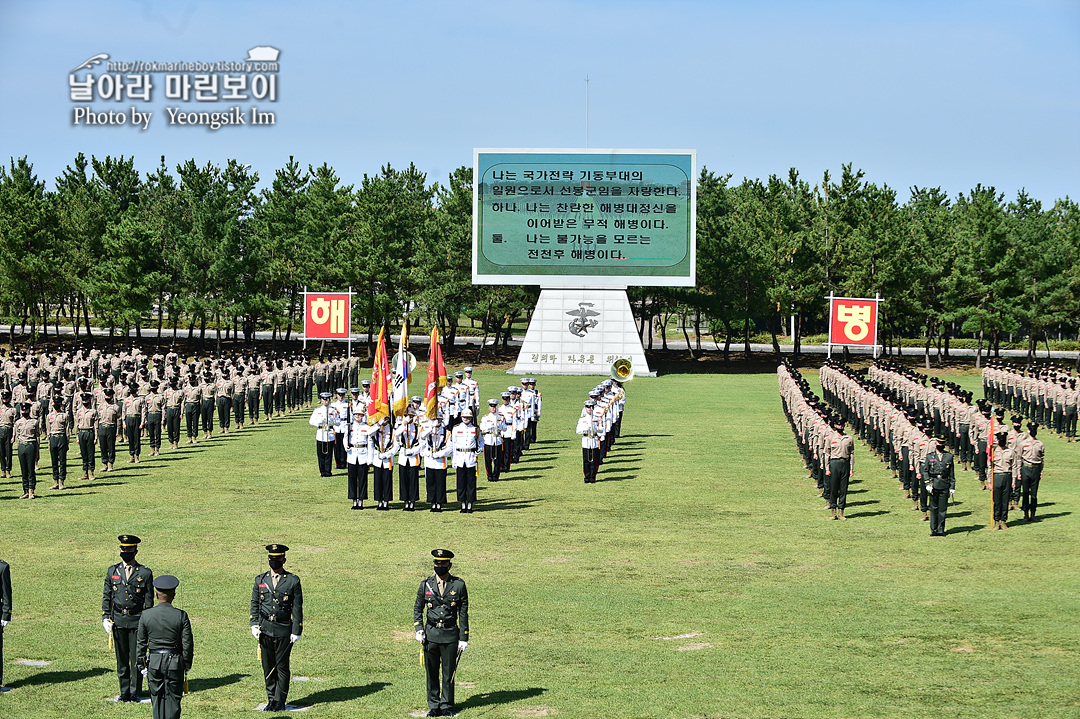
(351, 434)
(102, 400)
(600, 424)
(1045, 394)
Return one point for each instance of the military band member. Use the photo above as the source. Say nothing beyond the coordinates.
(407, 435)
(506, 411)
(443, 632)
(165, 649)
(1032, 452)
(8, 414)
(126, 595)
(27, 429)
(359, 459)
(468, 444)
(341, 409)
(155, 403)
(58, 427)
(383, 448)
(590, 442)
(5, 610)
(491, 426)
(86, 425)
(324, 418)
(277, 621)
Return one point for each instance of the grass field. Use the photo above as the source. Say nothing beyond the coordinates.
(697, 578)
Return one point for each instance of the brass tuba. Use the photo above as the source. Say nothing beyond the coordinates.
(622, 370)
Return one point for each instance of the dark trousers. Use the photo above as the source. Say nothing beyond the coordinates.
(339, 450)
(839, 474)
(324, 451)
(207, 413)
(58, 449)
(224, 412)
(590, 462)
(86, 450)
(107, 442)
(291, 396)
(939, 504)
(1, 656)
(191, 418)
(440, 695)
(165, 678)
(384, 483)
(253, 404)
(153, 429)
(172, 424)
(279, 398)
(409, 483)
(1070, 420)
(505, 453)
(965, 443)
(268, 399)
(27, 458)
(126, 670)
(905, 468)
(491, 461)
(1002, 495)
(1030, 476)
(980, 460)
(134, 435)
(435, 479)
(276, 653)
(466, 485)
(238, 409)
(358, 480)
(6, 434)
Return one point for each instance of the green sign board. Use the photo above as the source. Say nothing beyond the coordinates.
(573, 218)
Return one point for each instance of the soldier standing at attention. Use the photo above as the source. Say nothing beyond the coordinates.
(838, 470)
(126, 595)
(165, 649)
(26, 434)
(1031, 459)
(939, 476)
(155, 402)
(590, 443)
(192, 403)
(108, 429)
(444, 634)
(341, 410)
(491, 426)
(209, 395)
(5, 610)
(86, 424)
(134, 422)
(174, 405)
(468, 444)
(224, 389)
(277, 620)
(383, 448)
(324, 418)
(58, 427)
(7, 432)
(1006, 473)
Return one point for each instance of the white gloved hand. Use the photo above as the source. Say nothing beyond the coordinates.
(928, 487)
(143, 672)
(462, 646)
(952, 491)
(107, 625)
(420, 636)
(4, 623)
(255, 631)
(294, 638)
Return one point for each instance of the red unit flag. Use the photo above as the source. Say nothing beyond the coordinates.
(327, 315)
(853, 321)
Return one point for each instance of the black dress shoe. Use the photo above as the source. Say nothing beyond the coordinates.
(434, 713)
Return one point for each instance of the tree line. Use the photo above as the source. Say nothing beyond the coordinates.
(200, 247)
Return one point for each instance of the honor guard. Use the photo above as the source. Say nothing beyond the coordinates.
(407, 435)
(165, 649)
(506, 411)
(590, 442)
(472, 390)
(491, 426)
(324, 418)
(341, 410)
(436, 451)
(468, 444)
(359, 459)
(441, 621)
(277, 621)
(125, 596)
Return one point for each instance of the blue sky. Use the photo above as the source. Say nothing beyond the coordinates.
(943, 94)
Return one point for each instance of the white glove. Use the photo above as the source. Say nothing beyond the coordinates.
(143, 672)
(462, 646)
(928, 487)
(294, 638)
(420, 636)
(4, 623)
(255, 631)
(107, 625)
(952, 491)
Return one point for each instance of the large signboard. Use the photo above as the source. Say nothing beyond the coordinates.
(574, 218)
(327, 315)
(853, 321)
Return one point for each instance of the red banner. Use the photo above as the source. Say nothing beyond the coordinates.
(853, 321)
(327, 315)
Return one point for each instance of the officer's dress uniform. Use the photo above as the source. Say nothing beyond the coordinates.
(5, 609)
(277, 608)
(408, 438)
(359, 458)
(590, 446)
(128, 592)
(939, 472)
(447, 622)
(468, 443)
(165, 648)
(437, 448)
(324, 419)
(491, 427)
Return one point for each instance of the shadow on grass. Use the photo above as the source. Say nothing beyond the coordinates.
(972, 528)
(59, 677)
(957, 515)
(205, 685)
(341, 694)
(867, 514)
(868, 501)
(614, 478)
(1055, 515)
(501, 697)
(645, 435)
(500, 506)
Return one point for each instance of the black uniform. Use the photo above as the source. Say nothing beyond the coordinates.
(278, 611)
(5, 609)
(165, 649)
(939, 473)
(446, 624)
(123, 601)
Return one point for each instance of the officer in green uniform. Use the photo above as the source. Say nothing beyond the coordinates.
(127, 593)
(5, 610)
(445, 633)
(165, 649)
(939, 475)
(277, 620)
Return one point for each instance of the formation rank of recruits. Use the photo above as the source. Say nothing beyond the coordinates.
(102, 400)
(600, 424)
(443, 438)
(1045, 394)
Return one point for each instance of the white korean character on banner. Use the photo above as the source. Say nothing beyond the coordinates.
(81, 90)
(264, 87)
(856, 320)
(139, 87)
(206, 88)
(234, 86)
(177, 87)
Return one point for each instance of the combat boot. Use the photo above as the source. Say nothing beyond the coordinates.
(926, 516)
(91, 475)
(83, 477)
(62, 485)
(840, 514)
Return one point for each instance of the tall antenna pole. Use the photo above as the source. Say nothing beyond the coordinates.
(586, 112)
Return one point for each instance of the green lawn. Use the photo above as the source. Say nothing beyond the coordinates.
(698, 578)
